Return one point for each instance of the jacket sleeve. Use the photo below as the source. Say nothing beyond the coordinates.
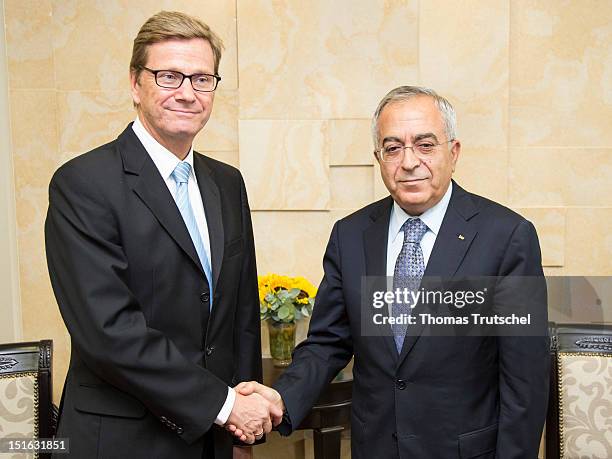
(90, 278)
(247, 336)
(328, 348)
(524, 361)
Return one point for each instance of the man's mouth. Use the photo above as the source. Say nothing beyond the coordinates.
(187, 112)
(412, 180)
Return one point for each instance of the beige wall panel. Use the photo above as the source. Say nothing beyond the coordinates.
(291, 243)
(351, 187)
(554, 271)
(89, 119)
(34, 138)
(228, 157)
(92, 43)
(350, 142)
(470, 69)
(560, 177)
(588, 242)
(550, 225)
(10, 296)
(93, 40)
(29, 44)
(561, 73)
(484, 171)
(221, 131)
(285, 164)
(34, 162)
(321, 59)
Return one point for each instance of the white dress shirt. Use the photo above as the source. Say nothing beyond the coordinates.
(431, 217)
(166, 162)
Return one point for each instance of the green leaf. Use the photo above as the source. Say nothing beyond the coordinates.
(293, 293)
(270, 297)
(283, 312)
(287, 302)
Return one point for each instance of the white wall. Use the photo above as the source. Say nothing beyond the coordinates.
(10, 307)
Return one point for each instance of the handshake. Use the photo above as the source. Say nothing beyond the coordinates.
(256, 410)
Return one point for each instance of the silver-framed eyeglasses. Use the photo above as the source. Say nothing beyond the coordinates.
(171, 79)
(394, 151)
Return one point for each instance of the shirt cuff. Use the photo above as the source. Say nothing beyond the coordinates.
(227, 407)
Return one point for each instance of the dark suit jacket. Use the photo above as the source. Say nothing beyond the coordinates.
(444, 396)
(150, 366)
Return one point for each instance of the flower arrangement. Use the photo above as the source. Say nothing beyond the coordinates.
(285, 299)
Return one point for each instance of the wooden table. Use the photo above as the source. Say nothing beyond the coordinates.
(330, 414)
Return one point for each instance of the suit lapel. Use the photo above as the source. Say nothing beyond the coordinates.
(455, 235)
(375, 238)
(212, 208)
(147, 183)
(452, 243)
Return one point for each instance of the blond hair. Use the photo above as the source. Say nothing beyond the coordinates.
(171, 25)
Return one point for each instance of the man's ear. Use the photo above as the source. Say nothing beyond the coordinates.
(135, 87)
(455, 151)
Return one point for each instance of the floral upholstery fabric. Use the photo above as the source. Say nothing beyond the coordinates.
(585, 405)
(18, 409)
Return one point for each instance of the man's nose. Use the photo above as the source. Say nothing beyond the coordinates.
(410, 159)
(185, 91)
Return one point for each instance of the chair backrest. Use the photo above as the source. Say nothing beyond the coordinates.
(26, 409)
(579, 422)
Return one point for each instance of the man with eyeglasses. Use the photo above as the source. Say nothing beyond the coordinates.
(417, 395)
(151, 257)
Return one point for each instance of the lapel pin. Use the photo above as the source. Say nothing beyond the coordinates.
(460, 236)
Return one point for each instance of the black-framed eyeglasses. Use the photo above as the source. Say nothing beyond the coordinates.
(171, 79)
(393, 152)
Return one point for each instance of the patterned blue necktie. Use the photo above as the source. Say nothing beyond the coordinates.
(181, 177)
(409, 269)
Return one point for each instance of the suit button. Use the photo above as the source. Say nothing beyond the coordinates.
(204, 297)
(209, 350)
(179, 430)
(401, 384)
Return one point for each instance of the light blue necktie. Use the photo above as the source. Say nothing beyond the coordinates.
(409, 270)
(181, 177)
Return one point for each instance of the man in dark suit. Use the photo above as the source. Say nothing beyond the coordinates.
(151, 258)
(416, 395)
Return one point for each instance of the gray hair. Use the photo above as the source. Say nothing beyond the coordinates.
(403, 93)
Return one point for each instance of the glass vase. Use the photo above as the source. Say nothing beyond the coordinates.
(282, 342)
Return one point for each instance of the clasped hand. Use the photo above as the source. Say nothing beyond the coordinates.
(256, 410)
